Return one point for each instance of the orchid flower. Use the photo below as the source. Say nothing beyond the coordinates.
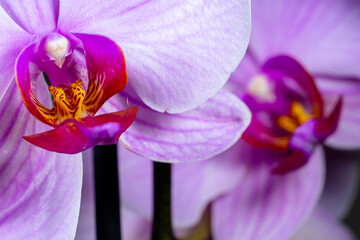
(294, 75)
(171, 49)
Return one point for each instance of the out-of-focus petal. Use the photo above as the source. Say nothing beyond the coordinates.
(39, 190)
(347, 134)
(179, 53)
(12, 41)
(342, 179)
(244, 73)
(106, 70)
(266, 206)
(320, 226)
(86, 229)
(284, 66)
(194, 185)
(133, 226)
(39, 16)
(195, 135)
(136, 183)
(73, 136)
(323, 35)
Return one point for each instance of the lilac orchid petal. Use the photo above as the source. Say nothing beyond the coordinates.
(194, 185)
(195, 135)
(39, 190)
(178, 53)
(322, 227)
(39, 16)
(12, 40)
(267, 206)
(133, 226)
(320, 35)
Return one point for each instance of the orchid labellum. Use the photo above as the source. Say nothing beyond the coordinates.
(73, 110)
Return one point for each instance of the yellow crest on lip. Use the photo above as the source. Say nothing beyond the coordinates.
(68, 103)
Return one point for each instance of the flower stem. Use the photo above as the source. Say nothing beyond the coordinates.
(107, 193)
(162, 228)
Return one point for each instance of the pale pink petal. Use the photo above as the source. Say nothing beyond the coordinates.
(178, 53)
(34, 16)
(266, 206)
(320, 226)
(39, 190)
(195, 135)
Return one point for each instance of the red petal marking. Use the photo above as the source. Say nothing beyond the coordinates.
(106, 70)
(22, 77)
(74, 136)
(286, 66)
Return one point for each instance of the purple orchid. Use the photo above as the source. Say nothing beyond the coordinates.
(172, 49)
(300, 78)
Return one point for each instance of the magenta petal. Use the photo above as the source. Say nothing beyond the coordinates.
(320, 226)
(195, 135)
(266, 206)
(39, 190)
(73, 136)
(184, 51)
(106, 70)
(34, 16)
